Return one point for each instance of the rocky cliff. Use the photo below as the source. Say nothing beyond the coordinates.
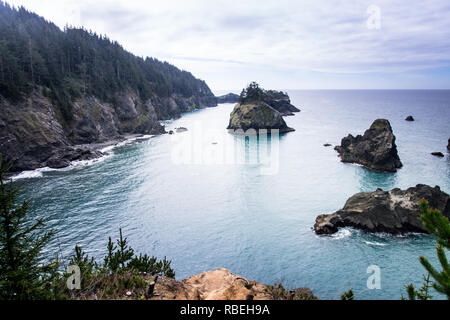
(61, 90)
(395, 211)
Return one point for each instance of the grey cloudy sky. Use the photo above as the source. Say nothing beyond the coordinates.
(281, 44)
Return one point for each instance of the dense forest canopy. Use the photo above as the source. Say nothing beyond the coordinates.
(70, 63)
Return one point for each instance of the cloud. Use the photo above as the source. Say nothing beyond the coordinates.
(206, 37)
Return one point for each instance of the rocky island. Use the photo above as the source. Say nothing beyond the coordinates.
(259, 109)
(396, 211)
(376, 149)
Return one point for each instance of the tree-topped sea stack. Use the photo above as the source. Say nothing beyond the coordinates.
(257, 110)
(376, 149)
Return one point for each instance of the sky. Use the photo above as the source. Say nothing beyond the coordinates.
(333, 44)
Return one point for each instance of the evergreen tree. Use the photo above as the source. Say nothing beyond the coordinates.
(349, 295)
(423, 293)
(438, 226)
(22, 275)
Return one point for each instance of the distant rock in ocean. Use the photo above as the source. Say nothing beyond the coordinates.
(181, 130)
(376, 149)
(396, 211)
(448, 145)
(409, 118)
(254, 112)
(228, 98)
(327, 145)
(438, 154)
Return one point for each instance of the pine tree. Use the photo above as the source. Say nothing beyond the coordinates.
(22, 276)
(438, 226)
(349, 295)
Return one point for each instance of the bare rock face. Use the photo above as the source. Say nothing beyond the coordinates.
(218, 284)
(376, 149)
(281, 102)
(33, 135)
(257, 116)
(396, 211)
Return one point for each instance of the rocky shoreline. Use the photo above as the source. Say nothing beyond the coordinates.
(33, 135)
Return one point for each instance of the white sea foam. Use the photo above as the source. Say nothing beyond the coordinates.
(375, 243)
(341, 234)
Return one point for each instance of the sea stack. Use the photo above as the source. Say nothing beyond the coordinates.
(376, 149)
(395, 212)
(255, 111)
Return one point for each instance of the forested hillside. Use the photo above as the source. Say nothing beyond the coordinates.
(86, 84)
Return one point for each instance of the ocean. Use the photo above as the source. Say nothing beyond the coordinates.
(192, 198)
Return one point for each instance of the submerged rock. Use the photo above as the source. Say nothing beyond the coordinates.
(409, 118)
(438, 154)
(396, 211)
(376, 149)
(327, 145)
(256, 116)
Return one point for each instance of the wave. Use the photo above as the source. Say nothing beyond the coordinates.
(341, 234)
(78, 164)
(375, 243)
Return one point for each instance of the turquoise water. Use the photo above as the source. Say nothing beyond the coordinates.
(206, 216)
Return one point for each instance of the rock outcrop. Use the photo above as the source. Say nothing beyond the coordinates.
(228, 98)
(448, 145)
(376, 149)
(280, 101)
(409, 118)
(396, 211)
(221, 284)
(256, 116)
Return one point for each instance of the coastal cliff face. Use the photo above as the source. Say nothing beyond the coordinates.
(395, 211)
(33, 134)
(61, 90)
